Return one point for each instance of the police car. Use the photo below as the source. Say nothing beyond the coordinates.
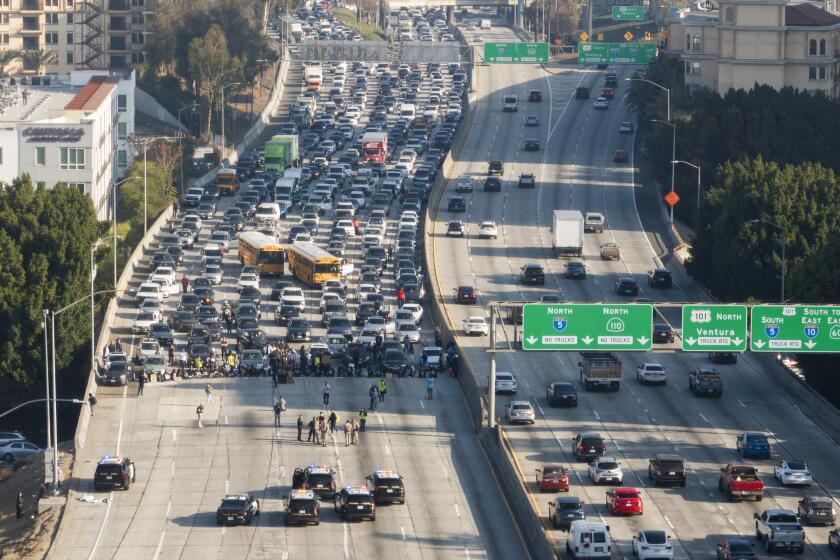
(237, 509)
(302, 508)
(386, 486)
(355, 503)
(113, 472)
(319, 479)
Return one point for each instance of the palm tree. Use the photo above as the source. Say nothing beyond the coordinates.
(7, 56)
(34, 60)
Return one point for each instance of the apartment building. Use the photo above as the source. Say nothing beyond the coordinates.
(74, 131)
(82, 33)
(734, 44)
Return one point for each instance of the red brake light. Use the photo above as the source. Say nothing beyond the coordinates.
(122, 475)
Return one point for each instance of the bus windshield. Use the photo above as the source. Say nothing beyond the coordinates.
(331, 267)
(271, 257)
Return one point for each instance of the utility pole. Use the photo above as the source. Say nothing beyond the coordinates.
(491, 387)
(47, 377)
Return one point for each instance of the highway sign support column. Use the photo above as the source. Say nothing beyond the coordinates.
(714, 328)
(795, 328)
(491, 386)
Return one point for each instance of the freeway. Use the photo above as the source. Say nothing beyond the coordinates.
(575, 170)
(454, 506)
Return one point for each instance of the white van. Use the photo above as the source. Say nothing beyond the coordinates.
(588, 539)
(485, 24)
(408, 110)
(268, 212)
(510, 104)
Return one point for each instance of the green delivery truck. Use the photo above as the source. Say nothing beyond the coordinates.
(281, 151)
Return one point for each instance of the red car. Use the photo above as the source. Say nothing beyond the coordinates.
(609, 93)
(620, 156)
(553, 477)
(625, 500)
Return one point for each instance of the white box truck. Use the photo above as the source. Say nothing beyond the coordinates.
(567, 232)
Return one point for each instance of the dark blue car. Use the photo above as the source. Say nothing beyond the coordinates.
(753, 445)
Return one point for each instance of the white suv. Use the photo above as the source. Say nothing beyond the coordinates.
(605, 469)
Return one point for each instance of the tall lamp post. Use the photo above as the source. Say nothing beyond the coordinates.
(146, 142)
(117, 184)
(224, 142)
(673, 156)
(660, 86)
(697, 167)
(783, 230)
(180, 137)
(93, 248)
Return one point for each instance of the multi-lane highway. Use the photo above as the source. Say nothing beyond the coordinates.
(454, 508)
(575, 170)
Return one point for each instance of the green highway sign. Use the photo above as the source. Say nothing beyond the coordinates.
(628, 13)
(583, 326)
(795, 328)
(714, 328)
(513, 53)
(616, 53)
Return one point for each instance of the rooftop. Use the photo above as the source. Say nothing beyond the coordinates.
(808, 15)
(23, 103)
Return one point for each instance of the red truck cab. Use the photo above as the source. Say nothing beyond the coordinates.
(739, 481)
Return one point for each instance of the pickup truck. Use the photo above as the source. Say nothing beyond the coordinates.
(779, 529)
(610, 251)
(740, 481)
(753, 444)
(705, 382)
(600, 370)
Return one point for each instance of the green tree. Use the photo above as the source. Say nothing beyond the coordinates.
(7, 56)
(36, 59)
(212, 66)
(45, 236)
(130, 197)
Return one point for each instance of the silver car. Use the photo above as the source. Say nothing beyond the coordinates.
(505, 382)
(605, 469)
(519, 411)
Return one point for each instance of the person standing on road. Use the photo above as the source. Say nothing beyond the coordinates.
(327, 389)
(300, 427)
(199, 411)
(312, 432)
(400, 297)
(372, 394)
(185, 283)
(172, 354)
(141, 382)
(356, 428)
(19, 505)
(333, 421)
(208, 390)
(279, 407)
(91, 402)
(348, 432)
(382, 390)
(430, 388)
(362, 419)
(324, 429)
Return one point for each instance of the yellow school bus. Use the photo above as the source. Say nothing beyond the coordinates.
(265, 253)
(226, 181)
(313, 265)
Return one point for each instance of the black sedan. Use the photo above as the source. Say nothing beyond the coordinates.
(575, 269)
(394, 361)
(466, 294)
(626, 287)
(561, 394)
(277, 289)
(456, 204)
(286, 312)
(659, 278)
(492, 184)
(298, 330)
(662, 333)
(182, 321)
(532, 145)
(162, 333)
(235, 510)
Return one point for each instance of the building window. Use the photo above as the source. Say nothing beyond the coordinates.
(51, 38)
(822, 72)
(4, 17)
(138, 58)
(697, 43)
(69, 3)
(1, 155)
(812, 47)
(122, 102)
(4, 3)
(812, 72)
(51, 3)
(4, 38)
(80, 186)
(122, 158)
(687, 67)
(730, 15)
(51, 18)
(69, 38)
(822, 47)
(122, 130)
(69, 57)
(138, 38)
(138, 3)
(40, 156)
(688, 41)
(69, 17)
(138, 18)
(72, 158)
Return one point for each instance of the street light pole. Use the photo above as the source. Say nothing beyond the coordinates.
(673, 156)
(146, 143)
(56, 481)
(92, 308)
(697, 167)
(117, 184)
(660, 86)
(783, 231)
(47, 377)
(224, 142)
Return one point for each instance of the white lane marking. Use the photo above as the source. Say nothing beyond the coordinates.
(174, 434)
(595, 412)
(381, 421)
(172, 470)
(226, 419)
(541, 410)
(466, 551)
(101, 527)
(457, 511)
(742, 403)
(443, 468)
(122, 414)
(159, 545)
(227, 487)
(668, 521)
(387, 450)
(402, 531)
(423, 406)
(285, 556)
(346, 542)
(706, 420)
